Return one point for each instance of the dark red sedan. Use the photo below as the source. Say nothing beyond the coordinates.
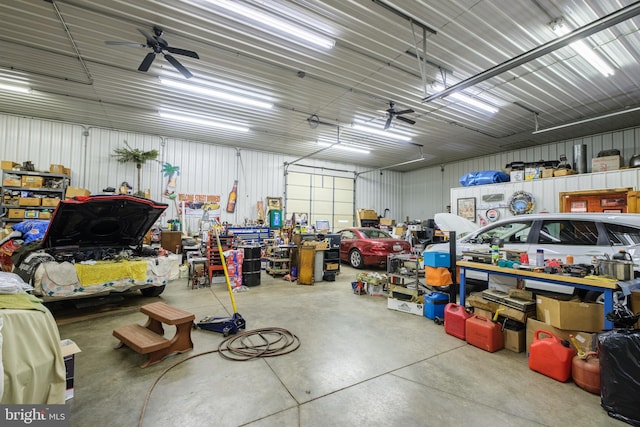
(369, 246)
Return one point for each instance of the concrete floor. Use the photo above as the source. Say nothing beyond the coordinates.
(359, 364)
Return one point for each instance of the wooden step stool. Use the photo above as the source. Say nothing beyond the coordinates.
(149, 339)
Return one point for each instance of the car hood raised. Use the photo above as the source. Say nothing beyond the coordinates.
(115, 221)
(451, 222)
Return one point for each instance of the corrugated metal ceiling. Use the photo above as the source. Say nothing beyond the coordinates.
(76, 77)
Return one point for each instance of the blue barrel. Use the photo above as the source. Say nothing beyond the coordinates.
(434, 303)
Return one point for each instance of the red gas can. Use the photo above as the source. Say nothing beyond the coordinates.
(483, 333)
(586, 372)
(455, 317)
(551, 356)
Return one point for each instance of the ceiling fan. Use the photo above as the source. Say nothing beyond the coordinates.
(159, 45)
(392, 112)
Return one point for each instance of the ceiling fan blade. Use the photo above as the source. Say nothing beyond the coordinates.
(146, 62)
(112, 43)
(388, 123)
(150, 40)
(407, 111)
(184, 52)
(404, 119)
(178, 66)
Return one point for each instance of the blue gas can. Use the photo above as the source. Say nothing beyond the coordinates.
(434, 303)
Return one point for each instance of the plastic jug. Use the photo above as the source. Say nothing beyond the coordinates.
(551, 356)
(586, 372)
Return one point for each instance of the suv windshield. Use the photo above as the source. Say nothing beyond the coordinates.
(513, 232)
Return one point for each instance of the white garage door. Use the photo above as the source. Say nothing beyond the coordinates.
(320, 198)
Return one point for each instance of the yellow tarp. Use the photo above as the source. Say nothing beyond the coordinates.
(107, 271)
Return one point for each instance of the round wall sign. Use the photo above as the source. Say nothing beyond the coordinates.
(521, 203)
(492, 214)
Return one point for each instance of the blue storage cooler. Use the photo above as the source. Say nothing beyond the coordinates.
(436, 259)
(434, 303)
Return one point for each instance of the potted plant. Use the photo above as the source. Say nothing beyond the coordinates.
(137, 156)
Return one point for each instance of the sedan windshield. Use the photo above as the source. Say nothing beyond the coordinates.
(373, 234)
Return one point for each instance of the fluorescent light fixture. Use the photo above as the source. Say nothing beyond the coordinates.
(472, 102)
(379, 132)
(583, 49)
(579, 122)
(271, 21)
(201, 120)
(200, 89)
(15, 88)
(341, 146)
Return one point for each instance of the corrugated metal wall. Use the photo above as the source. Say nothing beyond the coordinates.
(204, 168)
(427, 190)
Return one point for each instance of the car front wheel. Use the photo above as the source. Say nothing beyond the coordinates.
(355, 259)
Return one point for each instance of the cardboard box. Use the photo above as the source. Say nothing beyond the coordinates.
(482, 312)
(8, 165)
(31, 214)
(67, 171)
(32, 181)
(12, 181)
(16, 213)
(387, 221)
(532, 173)
(547, 172)
(56, 169)
(69, 351)
(44, 215)
(405, 306)
(50, 201)
(570, 315)
(564, 172)
(332, 266)
(76, 191)
(635, 304)
(516, 176)
(398, 231)
(586, 340)
(477, 301)
(607, 163)
(29, 201)
(367, 214)
(514, 340)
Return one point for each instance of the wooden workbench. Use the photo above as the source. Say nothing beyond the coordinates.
(605, 286)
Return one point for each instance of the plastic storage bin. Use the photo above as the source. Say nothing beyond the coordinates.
(436, 259)
(434, 303)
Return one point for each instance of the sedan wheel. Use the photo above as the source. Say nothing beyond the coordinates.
(355, 259)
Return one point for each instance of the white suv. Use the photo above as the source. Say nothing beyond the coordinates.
(581, 235)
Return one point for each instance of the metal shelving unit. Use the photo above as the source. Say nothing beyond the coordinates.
(15, 193)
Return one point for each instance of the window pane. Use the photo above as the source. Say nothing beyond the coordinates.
(622, 235)
(514, 232)
(569, 232)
